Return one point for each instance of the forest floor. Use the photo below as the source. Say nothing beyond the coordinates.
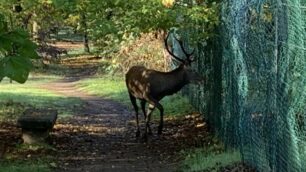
(101, 136)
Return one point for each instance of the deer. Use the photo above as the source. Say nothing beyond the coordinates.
(150, 86)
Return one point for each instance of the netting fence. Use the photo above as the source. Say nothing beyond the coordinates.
(255, 96)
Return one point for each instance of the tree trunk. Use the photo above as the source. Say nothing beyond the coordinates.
(85, 42)
(85, 34)
(25, 21)
(35, 29)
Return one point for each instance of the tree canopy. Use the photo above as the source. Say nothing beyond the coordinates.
(105, 23)
(111, 21)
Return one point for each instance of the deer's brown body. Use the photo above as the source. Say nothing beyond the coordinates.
(142, 82)
(150, 86)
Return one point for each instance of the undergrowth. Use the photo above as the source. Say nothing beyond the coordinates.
(209, 158)
(200, 160)
(23, 166)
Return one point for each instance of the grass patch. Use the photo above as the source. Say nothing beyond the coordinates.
(75, 52)
(53, 69)
(177, 105)
(67, 34)
(211, 157)
(106, 87)
(35, 153)
(23, 166)
(200, 160)
(113, 87)
(34, 79)
(10, 110)
(14, 98)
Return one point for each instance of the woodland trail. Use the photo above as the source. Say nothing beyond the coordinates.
(101, 136)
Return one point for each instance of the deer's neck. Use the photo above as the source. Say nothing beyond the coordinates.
(175, 81)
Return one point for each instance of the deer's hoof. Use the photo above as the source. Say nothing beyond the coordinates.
(137, 133)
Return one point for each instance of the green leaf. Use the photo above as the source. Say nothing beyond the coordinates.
(5, 43)
(16, 68)
(28, 50)
(17, 36)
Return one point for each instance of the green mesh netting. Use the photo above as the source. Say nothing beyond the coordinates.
(255, 97)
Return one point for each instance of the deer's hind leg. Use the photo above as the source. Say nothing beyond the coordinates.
(134, 103)
(143, 107)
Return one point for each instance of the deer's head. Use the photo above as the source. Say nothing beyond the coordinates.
(190, 74)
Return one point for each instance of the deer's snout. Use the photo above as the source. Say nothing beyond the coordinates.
(196, 78)
(199, 80)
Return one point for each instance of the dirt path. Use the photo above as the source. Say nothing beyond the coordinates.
(101, 137)
(101, 134)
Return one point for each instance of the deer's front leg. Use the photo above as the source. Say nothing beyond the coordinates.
(156, 104)
(150, 110)
(145, 114)
(143, 107)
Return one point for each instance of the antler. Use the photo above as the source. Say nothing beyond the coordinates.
(167, 48)
(188, 55)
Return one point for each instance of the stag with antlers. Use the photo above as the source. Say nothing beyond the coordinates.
(150, 86)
